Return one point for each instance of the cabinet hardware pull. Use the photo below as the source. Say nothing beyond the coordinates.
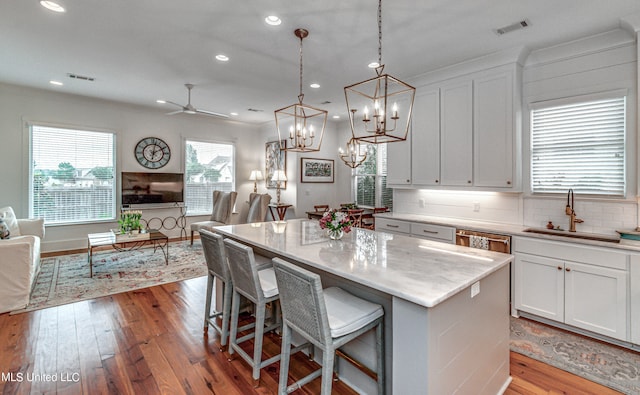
(508, 182)
(437, 181)
(568, 269)
(559, 267)
(468, 181)
(435, 232)
(393, 226)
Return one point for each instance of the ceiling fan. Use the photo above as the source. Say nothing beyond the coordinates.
(189, 109)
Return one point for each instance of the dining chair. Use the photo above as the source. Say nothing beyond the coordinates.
(369, 221)
(321, 208)
(356, 217)
(328, 319)
(258, 206)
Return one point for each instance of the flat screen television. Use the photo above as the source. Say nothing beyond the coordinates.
(142, 188)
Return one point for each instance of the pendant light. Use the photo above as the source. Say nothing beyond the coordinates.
(380, 108)
(354, 156)
(301, 124)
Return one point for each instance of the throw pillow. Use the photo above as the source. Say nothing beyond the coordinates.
(9, 217)
(4, 230)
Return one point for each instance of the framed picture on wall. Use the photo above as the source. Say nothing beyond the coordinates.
(316, 170)
(275, 158)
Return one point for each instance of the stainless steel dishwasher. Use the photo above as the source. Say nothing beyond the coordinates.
(483, 240)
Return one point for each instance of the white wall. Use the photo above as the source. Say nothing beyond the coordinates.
(131, 123)
(594, 64)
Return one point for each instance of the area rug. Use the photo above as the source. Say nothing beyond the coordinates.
(65, 279)
(609, 365)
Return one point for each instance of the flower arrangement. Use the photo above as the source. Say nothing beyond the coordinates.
(336, 223)
(130, 220)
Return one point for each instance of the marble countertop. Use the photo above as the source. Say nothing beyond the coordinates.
(421, 271)
(509, 229)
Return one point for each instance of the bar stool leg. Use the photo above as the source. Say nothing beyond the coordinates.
(257, 343)
(207, 306)
(380, 353)
(226, 310)
(328, 357)
(235, 312)
(284, 359)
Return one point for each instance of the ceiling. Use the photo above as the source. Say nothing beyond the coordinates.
(143, 50)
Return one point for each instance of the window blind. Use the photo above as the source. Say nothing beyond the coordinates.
(579, 146)
(371, 179)
(71, 175)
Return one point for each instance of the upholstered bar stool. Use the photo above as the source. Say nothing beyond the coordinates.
(259, 287)
(327, 318)
(216, 257)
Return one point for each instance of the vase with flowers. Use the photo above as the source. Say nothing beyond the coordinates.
(336, 223)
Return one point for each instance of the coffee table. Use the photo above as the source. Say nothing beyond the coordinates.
(126, 242)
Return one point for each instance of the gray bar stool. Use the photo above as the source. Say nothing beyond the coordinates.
(214, 254)
(327, 318)
(259, 287)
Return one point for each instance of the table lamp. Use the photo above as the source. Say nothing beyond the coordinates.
(278, 177)
(256, 175)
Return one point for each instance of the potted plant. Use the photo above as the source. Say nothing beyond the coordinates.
(130, 221)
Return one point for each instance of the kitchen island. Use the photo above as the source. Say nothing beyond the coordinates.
(446, 306)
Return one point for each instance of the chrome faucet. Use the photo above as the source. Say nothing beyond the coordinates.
(571, 212)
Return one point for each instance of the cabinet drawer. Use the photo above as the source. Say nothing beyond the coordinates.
(572, 252)
(390, 225)
(433, 232)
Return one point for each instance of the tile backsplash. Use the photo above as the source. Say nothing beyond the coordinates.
(600, 216)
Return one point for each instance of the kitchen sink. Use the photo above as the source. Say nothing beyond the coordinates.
(574, 235)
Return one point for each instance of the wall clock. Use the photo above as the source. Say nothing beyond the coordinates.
(152, 153)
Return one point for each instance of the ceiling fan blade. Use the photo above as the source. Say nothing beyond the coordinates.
(174, 103)
(174, 112)
(215, 114)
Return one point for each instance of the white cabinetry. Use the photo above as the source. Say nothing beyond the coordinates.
(634, 286)
(399, 162)
(393, 226)
(465, 134)
(493, 129)
(585, 287)
(445, 234)
(425, 135)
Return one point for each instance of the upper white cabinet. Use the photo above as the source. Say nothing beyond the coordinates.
(465, 134)
(399, 157)
(425, 147)
(493, 129)
(456, 134)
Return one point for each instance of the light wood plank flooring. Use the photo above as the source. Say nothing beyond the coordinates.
(151, 341)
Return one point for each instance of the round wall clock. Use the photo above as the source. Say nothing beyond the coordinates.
(152, 153)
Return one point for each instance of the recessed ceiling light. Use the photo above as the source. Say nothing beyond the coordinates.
(58, 83)
(336, 117)
(51, 5)
(222, 58)
(373, 65)
(315, 85)
(234, 114)
(273, 20)
(160, 101)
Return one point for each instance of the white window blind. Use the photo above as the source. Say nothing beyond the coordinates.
(371, 179)
(209, 167)
(579, 146)
(71, 175)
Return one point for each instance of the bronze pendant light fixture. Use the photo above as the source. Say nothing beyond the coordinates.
(380, 108)
(301, 124)
(354, 156)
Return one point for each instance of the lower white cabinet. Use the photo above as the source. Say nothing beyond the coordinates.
(590, 294)
(634, 301)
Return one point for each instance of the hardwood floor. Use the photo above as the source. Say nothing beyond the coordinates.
(151, 341)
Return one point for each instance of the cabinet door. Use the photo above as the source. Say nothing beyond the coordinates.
(399, 158)
(596, 299)
(456, 127)
(426, 138)
(539, 286)
(493, 130)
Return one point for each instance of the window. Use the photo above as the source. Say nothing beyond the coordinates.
(579, 145)
(370, 179)
(209, 167)
(71, 175)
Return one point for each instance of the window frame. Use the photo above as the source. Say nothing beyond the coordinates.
(185, 142)
(378, 179)
(28, 169)
(629, 151)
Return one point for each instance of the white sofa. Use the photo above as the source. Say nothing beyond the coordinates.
(20, 264)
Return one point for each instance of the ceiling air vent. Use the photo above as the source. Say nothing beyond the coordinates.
(80, 77)
(514, 26)
(254, 110)
(326, 102)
